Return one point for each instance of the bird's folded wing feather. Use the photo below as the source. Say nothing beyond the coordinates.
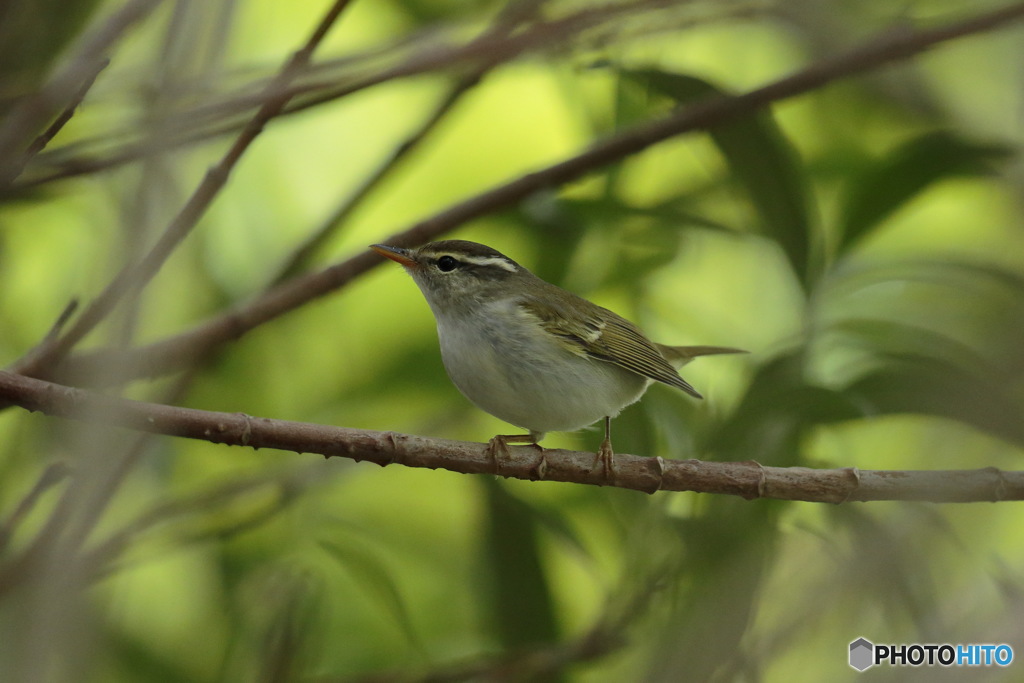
(608, 337)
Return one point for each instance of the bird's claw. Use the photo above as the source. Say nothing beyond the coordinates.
(497, 451)
(605, 456)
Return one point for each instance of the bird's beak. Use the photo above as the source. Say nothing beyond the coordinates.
(396, 254)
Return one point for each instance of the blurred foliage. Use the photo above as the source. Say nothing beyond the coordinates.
(30, 41)
(863, 242)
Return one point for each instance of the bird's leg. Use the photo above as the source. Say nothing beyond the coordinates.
(497, 449)
(605, 453)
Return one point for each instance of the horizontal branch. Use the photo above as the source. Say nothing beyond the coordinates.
(746, 479)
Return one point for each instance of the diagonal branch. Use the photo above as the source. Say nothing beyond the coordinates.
(80, 69)
(353, 74)
(51, 476)
(175, 352)
(299, 260)
(44, 138)
(136, 275)
(746, 479)
(508, 20)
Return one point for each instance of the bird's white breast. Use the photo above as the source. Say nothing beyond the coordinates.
(510, 367)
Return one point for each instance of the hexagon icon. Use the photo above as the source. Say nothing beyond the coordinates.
(861, 654)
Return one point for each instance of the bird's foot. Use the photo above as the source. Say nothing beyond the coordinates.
(540, 470)
(605, 456)
(498, 452)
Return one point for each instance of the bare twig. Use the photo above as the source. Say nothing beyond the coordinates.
(211, 120)
(514, 13)
(51, 476)
(606, 635)
(136, 275)
(287, 486)
(40, 143)
(300, 258)
(52, 334)
(62, 319)
(175, 352)
(86, 61)
(746, 479)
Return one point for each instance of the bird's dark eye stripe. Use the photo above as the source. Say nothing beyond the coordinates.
(447, 263)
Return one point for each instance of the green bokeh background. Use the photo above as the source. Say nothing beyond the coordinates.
(863, 241)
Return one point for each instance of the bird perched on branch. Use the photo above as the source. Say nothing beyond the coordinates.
(532, 353)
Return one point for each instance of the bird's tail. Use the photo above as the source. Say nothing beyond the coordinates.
(681, 355)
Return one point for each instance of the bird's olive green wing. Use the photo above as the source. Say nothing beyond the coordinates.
(595, 332)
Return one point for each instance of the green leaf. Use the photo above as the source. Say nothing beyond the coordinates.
(732, 548)
(761, 159)
(139, 660)
(891, 337)
(374, 575)
(883, 557)
(769, 422)
(522, 610)
(554, 522)
(979, 300)
(908, 170)
(556, 227)
(911, 383)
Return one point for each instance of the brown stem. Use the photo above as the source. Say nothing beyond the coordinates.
(40, 143)
(86, 61)
(136, 275)
(745, 479)
(211, 120)
(508, 20)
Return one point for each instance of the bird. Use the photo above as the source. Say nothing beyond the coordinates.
(531, 353)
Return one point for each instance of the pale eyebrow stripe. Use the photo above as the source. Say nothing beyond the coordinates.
(486, 261)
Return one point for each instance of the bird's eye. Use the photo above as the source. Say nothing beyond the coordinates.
(447, 264)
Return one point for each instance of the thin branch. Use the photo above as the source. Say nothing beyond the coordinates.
(62, 320)
(52, 334)
(301, 257)
(80, 68)
(286, 485)
(513, 14)
(175, 352)
(51, 476)
(745, 479)
(40, 143)
(136, 275)
(80, 508)
(606, 635)
(211, 120)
